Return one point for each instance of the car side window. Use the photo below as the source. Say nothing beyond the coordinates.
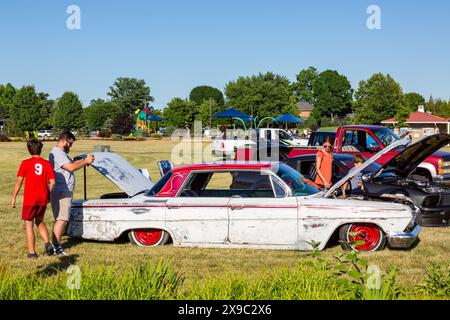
(249, 184)
(280, 192)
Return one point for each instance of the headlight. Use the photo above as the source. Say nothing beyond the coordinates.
(431, 201)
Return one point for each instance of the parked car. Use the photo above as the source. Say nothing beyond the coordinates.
(235, 205)
(226, 146)
(396, 180)
(342, 164)
(368, 140)
(45, 134)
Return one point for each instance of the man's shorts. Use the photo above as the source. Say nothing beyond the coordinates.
(61, 204)
(32, 212)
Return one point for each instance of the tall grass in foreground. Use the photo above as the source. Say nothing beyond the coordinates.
(142, 282)
(308, 281)
(301, 283)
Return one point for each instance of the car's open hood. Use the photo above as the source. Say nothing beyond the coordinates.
(408, 159)
(120, 172)
(353, 172)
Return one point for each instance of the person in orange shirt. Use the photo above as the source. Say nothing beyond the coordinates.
(324, 165)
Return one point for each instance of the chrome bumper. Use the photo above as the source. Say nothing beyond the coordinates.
(404, 240)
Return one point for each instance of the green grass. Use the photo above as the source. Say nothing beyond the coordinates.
(198, 267)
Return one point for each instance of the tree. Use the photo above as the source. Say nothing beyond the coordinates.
(443, 108)
(206, 109)
(304, 87)
(431, 105)
(69, 112)
(47, 104)
(26, 110)
(202, 93)
(413, 100)
(7, 93)
(130, 94)
(99, 112)
(377, 99)
(263, 95)
(332, 95)
(123, 123)
(180, 113)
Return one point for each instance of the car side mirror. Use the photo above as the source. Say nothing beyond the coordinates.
(373, 147)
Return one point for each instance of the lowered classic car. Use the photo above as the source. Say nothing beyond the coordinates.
(235, 205)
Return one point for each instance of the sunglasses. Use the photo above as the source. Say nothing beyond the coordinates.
(70, 142)
(327, 146)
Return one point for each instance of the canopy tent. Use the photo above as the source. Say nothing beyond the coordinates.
(234, 114)
(154, 117)
(287, 118)
(231, 113)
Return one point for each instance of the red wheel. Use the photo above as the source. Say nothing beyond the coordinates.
(371, 234)
(148, 237)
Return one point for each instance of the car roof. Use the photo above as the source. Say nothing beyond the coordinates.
(224, 165)
(363, 126)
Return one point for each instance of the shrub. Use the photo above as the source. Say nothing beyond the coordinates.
(104, 133)
(169, 130)
(437, 282)
(4, 137)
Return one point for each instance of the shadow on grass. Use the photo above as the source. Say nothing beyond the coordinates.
(60, 266)
(71, 242)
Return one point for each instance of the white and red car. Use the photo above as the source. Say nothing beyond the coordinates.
(236, 205)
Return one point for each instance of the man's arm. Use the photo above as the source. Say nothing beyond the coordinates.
(17, 187)
(73, 166)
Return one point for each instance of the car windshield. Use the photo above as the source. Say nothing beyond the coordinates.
(386, 136)
(294, 180)
(284, 136)
(159, 185)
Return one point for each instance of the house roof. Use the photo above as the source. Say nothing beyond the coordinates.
(304, 106)
(419, 117)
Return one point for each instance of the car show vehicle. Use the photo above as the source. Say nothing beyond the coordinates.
(236, 205)
(227, 145)
(45, 134)
(367, 140)
(395, 181)
(342, 164)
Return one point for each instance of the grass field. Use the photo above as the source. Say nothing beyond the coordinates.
(195, 264)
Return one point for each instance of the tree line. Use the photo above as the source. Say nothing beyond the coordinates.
(262, 95)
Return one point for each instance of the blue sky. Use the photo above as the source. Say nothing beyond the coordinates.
(176, 45)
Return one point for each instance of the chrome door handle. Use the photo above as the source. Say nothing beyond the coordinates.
(173, 207)
(237, 207)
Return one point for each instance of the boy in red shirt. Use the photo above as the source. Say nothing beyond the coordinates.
(39, 182)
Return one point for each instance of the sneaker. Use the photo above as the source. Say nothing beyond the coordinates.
(59, 250)
(49, 249)
(32, 255)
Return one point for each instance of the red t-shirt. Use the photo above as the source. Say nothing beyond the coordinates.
(37, 173)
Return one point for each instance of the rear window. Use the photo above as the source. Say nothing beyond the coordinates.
(159, 185)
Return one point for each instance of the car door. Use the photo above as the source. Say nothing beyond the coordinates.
(267, 217)
(196, 216)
